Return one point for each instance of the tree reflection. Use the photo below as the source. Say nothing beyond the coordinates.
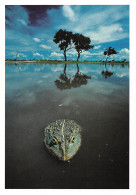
(106, 73)
(122, 65)
(68, 82)
(18, 67)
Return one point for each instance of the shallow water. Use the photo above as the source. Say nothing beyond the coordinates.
(99, 105)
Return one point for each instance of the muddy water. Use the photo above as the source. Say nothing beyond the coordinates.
(97, 98)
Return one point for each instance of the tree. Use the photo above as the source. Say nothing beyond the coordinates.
(109, 51)
(106, 73)
(124, 60)
(16, 56)
(65, 39)
(81, 43)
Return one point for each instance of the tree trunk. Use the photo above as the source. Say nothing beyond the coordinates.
(78, 56)
(105, 67)
(65, 55)
(77, 68)
(106, 58)
(65, 69)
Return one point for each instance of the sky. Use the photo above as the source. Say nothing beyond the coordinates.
(29, 30)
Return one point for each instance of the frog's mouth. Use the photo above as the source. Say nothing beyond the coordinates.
(65, 158)
(69, 154)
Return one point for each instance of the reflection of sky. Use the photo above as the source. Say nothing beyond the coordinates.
(24, 82)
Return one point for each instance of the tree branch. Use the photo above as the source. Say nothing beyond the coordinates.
(82, 51)
(70, 48)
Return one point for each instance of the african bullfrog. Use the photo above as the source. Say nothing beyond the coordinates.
(62, 138)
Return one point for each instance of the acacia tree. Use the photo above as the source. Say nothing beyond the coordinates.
(81, 43)
(124, 60)
(65, 39)
(109, 51)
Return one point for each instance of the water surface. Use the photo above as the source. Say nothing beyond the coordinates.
(96, 97)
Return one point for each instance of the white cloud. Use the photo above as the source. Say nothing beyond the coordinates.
(101, 26)
(124, 74)
(57, 69)
(25, 43)
(50, 41)
(97, 47)
(22, 21)
(124, 51)
(123, 54)
(105, 17)
(45, 46)
(93, 54)
(72, 52)
(37, 54)
(56, 54)
(108, 33)
(36, 40)
(68, 13)
(15, 53)
(21, 54)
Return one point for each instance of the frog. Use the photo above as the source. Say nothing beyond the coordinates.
(63, 138)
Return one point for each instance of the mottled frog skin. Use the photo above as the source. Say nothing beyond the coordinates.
(62, 138)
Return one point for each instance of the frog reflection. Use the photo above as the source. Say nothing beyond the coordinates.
(106, 73)
(66, 82)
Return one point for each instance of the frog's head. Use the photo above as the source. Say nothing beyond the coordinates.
(64, 146)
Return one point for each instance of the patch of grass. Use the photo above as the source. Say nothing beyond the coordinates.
(61, 62)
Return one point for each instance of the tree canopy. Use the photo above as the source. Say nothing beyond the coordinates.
(65, 39)
(109, 51)
(81, 43)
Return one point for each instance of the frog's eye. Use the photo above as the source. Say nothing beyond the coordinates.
(72, 139)
(53, 142)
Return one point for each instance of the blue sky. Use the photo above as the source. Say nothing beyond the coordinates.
(30, 30)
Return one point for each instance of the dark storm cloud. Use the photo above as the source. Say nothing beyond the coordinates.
(39, 13)
(7, 18)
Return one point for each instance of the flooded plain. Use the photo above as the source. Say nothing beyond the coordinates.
(96, 97)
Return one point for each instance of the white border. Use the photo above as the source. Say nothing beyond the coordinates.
(2, 96)
(132, 159)
(67, 2)
(132, 96)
